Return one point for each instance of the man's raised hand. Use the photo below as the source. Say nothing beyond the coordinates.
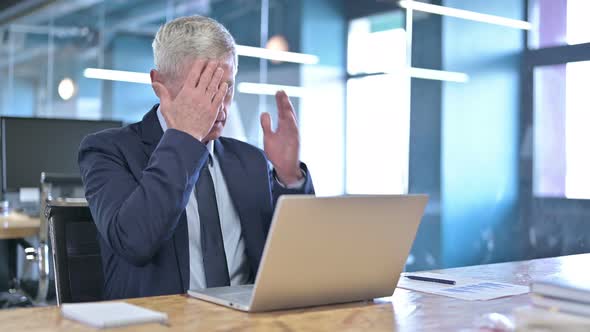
(282, 146)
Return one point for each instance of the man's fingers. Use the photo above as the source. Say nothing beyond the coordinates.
(215, 81)
(161, 92)
(265, 123)
(286, 112)
(195, 74)
(220, 95)
(284, 105)
(207, 75)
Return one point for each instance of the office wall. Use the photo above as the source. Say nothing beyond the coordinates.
(480, 223)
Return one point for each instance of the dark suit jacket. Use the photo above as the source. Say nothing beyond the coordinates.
(138, 181)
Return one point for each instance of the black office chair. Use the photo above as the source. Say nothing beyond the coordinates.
(76, 252)
(53, 187)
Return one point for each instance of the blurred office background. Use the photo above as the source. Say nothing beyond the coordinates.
(480, 104)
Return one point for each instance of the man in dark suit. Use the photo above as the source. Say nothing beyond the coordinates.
(176, 205)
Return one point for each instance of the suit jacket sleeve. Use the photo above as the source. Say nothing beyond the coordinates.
(136, 216)
(278, 190)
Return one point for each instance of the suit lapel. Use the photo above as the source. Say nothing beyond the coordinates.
(151, 134)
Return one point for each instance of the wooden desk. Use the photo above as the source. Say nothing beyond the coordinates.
(17, 226)
(404, 311)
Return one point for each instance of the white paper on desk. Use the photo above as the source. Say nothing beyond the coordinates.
(464, 288)
(111, 314)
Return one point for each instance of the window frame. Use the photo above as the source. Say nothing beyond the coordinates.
(533, 58)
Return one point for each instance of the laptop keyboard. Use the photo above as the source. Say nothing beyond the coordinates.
(241, 297)
(230, 290)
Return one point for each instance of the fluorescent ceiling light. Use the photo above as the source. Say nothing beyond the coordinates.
(431, 74)
(263, 53)
(439, 75)
(465, 14)
(117, 75)
(270, 89)
(135, 77)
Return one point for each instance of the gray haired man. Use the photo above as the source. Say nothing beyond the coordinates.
(177, 205)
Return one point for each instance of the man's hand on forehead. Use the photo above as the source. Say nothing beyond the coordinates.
(195, 108)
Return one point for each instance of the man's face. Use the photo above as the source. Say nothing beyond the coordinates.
(229, 73)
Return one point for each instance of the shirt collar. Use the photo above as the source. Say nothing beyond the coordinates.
(164, 125)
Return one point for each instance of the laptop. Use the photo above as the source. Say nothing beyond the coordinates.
(328, 250)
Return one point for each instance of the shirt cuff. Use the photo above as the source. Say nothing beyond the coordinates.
(296, 185)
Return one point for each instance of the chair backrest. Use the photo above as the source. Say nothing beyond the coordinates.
(76, 252)
(52, 187)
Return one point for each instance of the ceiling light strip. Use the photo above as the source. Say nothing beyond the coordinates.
(263, 53)
(465, 14)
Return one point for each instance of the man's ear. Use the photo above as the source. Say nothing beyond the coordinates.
(155, 77)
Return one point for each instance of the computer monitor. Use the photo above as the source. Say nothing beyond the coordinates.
(34, 145)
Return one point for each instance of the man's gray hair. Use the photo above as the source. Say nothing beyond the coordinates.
(188, 38)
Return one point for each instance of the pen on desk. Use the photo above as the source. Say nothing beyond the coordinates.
(440, 281)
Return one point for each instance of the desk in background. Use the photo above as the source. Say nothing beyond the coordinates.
(18, 226)
(404, 311)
